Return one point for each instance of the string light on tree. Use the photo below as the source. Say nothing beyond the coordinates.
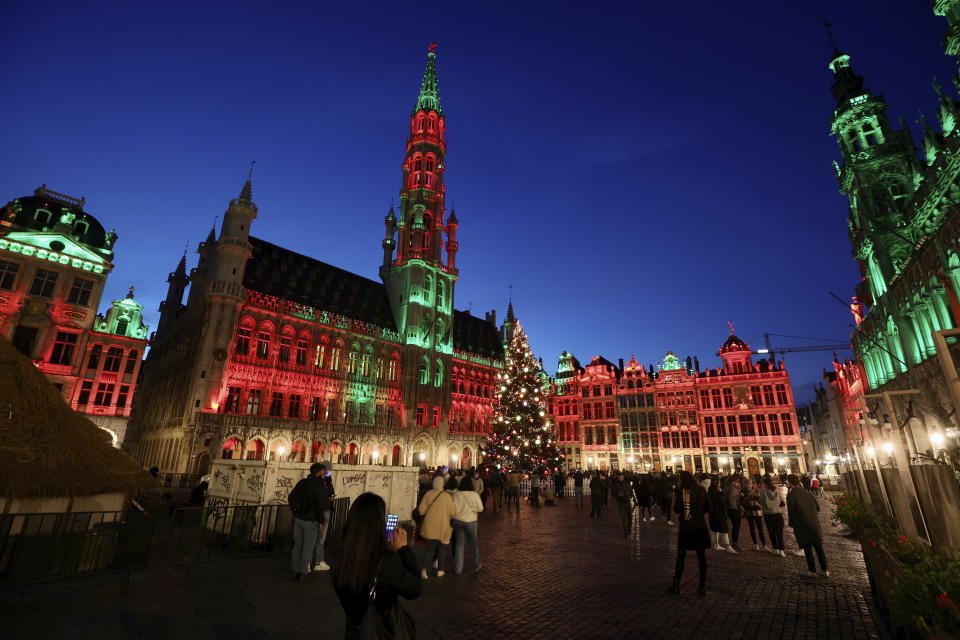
(520, 413)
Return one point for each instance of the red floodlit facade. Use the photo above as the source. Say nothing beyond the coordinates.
(276, 355)
(54, 262)
(739, 416)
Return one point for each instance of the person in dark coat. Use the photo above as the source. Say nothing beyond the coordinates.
(309, 500)
(364, 553)
(802, 510)
(644, 498)
(691, 503)
(597, 493)
(719, 527)
(663, 490)
(623, 495)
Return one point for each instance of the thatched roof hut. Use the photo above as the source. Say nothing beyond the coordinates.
(49, 451)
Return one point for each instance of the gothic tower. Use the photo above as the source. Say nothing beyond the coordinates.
(418, 282)
(879, 174)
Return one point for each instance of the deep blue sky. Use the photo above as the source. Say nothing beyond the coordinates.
(641, 173)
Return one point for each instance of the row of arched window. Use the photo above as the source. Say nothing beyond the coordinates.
(289, 348)
(471, 383)
(422, 172)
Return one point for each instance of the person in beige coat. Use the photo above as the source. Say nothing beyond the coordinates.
(437, 509)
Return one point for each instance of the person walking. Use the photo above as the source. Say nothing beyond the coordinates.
(578, 488)
(773, 515)
(437, 509)
(467, 505)
(691, 504)
(623, 495)
(664, 494)
(644, 498)
(596, 495)
(731, 502)
(318, 548)
(308, 500)
(365, 560)
(536, 483)
(513, 489)
(802, 510)
(719, 527)
(753, 512)
(496, 488)
(559, 481)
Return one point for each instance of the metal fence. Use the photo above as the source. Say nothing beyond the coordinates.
(47, 546)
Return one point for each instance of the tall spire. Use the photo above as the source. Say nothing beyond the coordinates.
(429, 99)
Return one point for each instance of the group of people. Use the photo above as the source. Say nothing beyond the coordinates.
(448, 511)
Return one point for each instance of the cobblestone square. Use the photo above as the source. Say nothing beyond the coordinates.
(549, 572)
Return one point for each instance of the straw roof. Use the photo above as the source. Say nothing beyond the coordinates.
(46, 449)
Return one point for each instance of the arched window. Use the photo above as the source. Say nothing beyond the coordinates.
(425, 371)
(393, 370)
(420, 123)
(440, 334)
(231, 449)
(255, 449)
(427, 231)
(429, 167)
(438, 375)
(42, 216)
(417, 171)
(440, 292)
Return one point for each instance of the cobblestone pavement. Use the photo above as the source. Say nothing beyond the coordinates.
(549, 572)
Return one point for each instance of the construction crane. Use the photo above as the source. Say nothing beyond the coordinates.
(769, 350)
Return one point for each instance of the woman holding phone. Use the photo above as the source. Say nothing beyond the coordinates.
(367, 560)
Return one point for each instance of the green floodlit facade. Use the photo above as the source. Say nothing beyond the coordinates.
(904, 229)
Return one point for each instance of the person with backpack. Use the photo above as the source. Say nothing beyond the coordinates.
(309, 501)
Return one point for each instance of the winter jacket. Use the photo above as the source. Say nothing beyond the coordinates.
(692, 532)
(718, 514)
(622, 491)
(731, 497)
(750, 500)
(477, 484)
(318, 491)
(802, 510)
(467, 504)
(437, 508)
(771, 502)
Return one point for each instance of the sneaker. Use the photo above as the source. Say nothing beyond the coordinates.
(782, 553)
(669, 521)
(718, 548)
(440, 573)
(799, 553)
(731, 549)
(808, 574)
(478, 567)
(768, 549)
(434, 563)
(321, 566)
(826, 574)
(756, 547)
(423, 574)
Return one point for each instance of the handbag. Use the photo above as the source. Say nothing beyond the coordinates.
(394, 624)
(418, 518)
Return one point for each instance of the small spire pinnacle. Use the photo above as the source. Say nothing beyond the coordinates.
(730, 324)
(429, 98)
(247, 192)
(212, 236)
(130, 293)
(833, 43)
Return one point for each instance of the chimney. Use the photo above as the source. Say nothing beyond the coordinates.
(491, 317)
(621, 363)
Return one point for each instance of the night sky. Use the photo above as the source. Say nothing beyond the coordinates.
(640, 174)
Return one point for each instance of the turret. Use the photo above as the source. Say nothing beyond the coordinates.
(736, 355)
(171, 307)
(233, 248)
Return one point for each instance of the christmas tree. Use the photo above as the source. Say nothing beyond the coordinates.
(523, 438)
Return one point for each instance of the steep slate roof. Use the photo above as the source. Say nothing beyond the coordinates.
(286, 274)
(476, 335)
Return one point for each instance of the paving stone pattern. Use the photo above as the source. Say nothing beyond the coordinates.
(549, 572)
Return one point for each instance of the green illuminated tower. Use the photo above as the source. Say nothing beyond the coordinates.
(419, 284)
(950, 9)
(879, 174)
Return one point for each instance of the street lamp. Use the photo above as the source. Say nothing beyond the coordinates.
(888, 447)
(871, 451)
(280, 451)
(375, 454)
(937, 439)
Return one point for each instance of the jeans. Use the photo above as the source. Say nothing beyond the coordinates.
(464, 532)
(497, 498)
(808, 551)
(558, 489)
(596, 504)
(756, 528)
(626, 515)
(665, 507)
(513, 496)
(438, 550)
(682, 556)
(734, 515)
(775, 528)
(321, 537)
(305, 538)
(578, 496)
